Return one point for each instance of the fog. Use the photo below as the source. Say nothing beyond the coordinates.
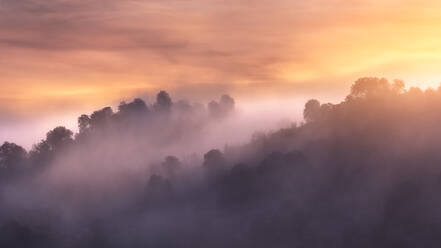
(362, 172)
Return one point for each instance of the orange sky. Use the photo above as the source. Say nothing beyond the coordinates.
(69, 55)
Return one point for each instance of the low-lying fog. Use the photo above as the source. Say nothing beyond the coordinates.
(364, 172)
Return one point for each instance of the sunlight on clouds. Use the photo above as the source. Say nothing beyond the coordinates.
(79, 53)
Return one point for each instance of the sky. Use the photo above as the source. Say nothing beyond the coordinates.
(61, 58)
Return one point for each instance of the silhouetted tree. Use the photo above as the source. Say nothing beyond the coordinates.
(12, 160)
(214, 109)
(137, 107)
(223, 108)
(312, 110)
(171, 166)
(227, 103)
(398, 86)
(83, 123)
(368, 86)
(40, 154)
(59, 137)
(101, 117)
(163, 102)
(214, 162)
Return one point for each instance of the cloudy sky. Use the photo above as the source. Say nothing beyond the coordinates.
(61, 57)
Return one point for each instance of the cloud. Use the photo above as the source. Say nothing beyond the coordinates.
(283, 46)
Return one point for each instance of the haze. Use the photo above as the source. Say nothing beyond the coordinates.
(220, 123)
(76, 56)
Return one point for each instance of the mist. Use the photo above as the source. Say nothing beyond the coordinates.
(361, 172)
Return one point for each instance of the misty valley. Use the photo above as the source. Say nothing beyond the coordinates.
(365, 172)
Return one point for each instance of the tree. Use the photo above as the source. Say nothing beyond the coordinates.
(12, 159)
(312, 110)
(227, 104)
(163, 102)
(369, 86)
(59, 137)
(398, 86)
(223, 108)
(214, 109)
(171, 165)
(40, 154)
(214, 162)
(101, 117)
(83, 123)
(138, 106)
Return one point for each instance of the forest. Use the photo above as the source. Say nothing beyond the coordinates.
(365, 172)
